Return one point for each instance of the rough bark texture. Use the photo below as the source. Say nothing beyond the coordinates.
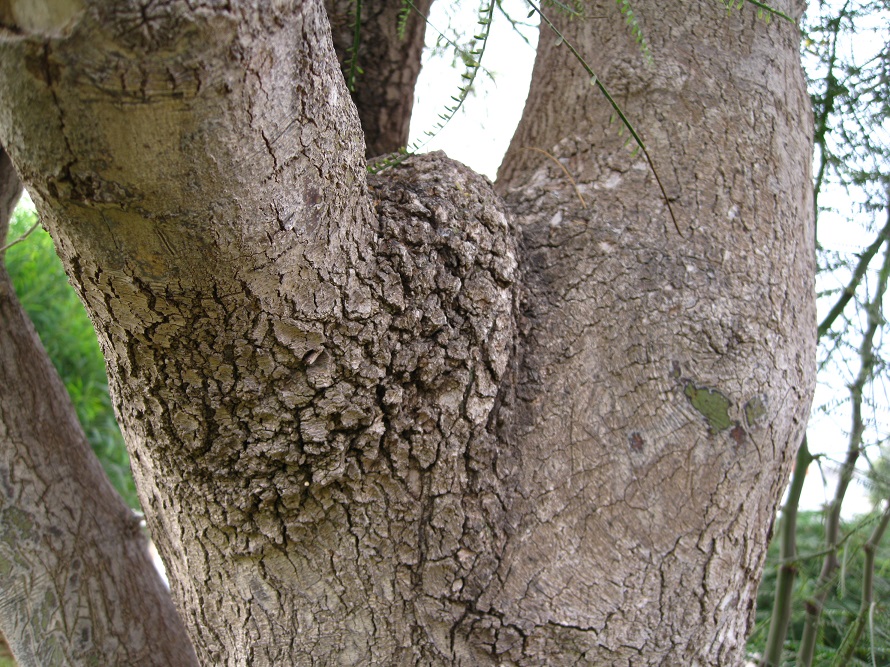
(77, 586)
(319, 374)
(352, 445)
(383, 89)
(664, 379)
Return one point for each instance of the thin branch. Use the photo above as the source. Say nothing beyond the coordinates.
(782, 604)
(21, 238)
(815, 603)
(866, 607)
(564, 170)
(472, 59)
(514, 23)
(825, 108)
(858, 274)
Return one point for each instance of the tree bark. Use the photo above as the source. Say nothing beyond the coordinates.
(320, 376)
(77, 586)
(662, 376)
(352, 445)
(383, 70)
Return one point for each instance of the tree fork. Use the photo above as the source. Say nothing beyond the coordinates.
(367, 426)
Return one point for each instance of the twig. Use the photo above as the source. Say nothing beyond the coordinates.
(21, 238)
(564, 170)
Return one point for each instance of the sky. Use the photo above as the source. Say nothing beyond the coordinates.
(480, 134)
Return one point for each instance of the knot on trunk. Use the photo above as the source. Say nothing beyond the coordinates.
(449, 246)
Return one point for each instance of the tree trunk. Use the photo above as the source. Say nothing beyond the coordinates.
(382, 71)
(662, 376)
(77, 586)
(373, 422)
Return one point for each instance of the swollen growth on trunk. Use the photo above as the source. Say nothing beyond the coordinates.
(415, 418)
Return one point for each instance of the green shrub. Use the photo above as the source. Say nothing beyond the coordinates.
(843, 602)
(69, 339)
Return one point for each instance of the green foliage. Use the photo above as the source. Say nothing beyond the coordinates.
(70, 341)
(764, 11)
(573, 9)
(636, 30)
(404, 13)
(842, 604)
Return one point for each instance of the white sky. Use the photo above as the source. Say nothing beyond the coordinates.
(479, 134)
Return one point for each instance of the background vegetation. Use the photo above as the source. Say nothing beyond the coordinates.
(841, 607)
(69, 339)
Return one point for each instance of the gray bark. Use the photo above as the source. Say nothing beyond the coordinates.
(665, 380)
(384, 88)
(77, 586)
(374, 422)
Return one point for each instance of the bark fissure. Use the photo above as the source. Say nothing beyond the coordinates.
(396, 419)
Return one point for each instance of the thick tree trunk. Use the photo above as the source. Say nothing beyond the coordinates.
(305, 385)
(350, 447)
(77, 586)
(664, 378)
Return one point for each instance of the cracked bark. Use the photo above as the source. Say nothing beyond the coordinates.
(77, 586)
(372, 420)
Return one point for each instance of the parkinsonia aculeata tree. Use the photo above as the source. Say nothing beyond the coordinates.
(411, 418)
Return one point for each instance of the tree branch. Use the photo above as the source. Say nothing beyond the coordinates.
(70, 544)
(858, 274)
(815, 603)
(382, 71)
(866, 608)
(788, 565)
